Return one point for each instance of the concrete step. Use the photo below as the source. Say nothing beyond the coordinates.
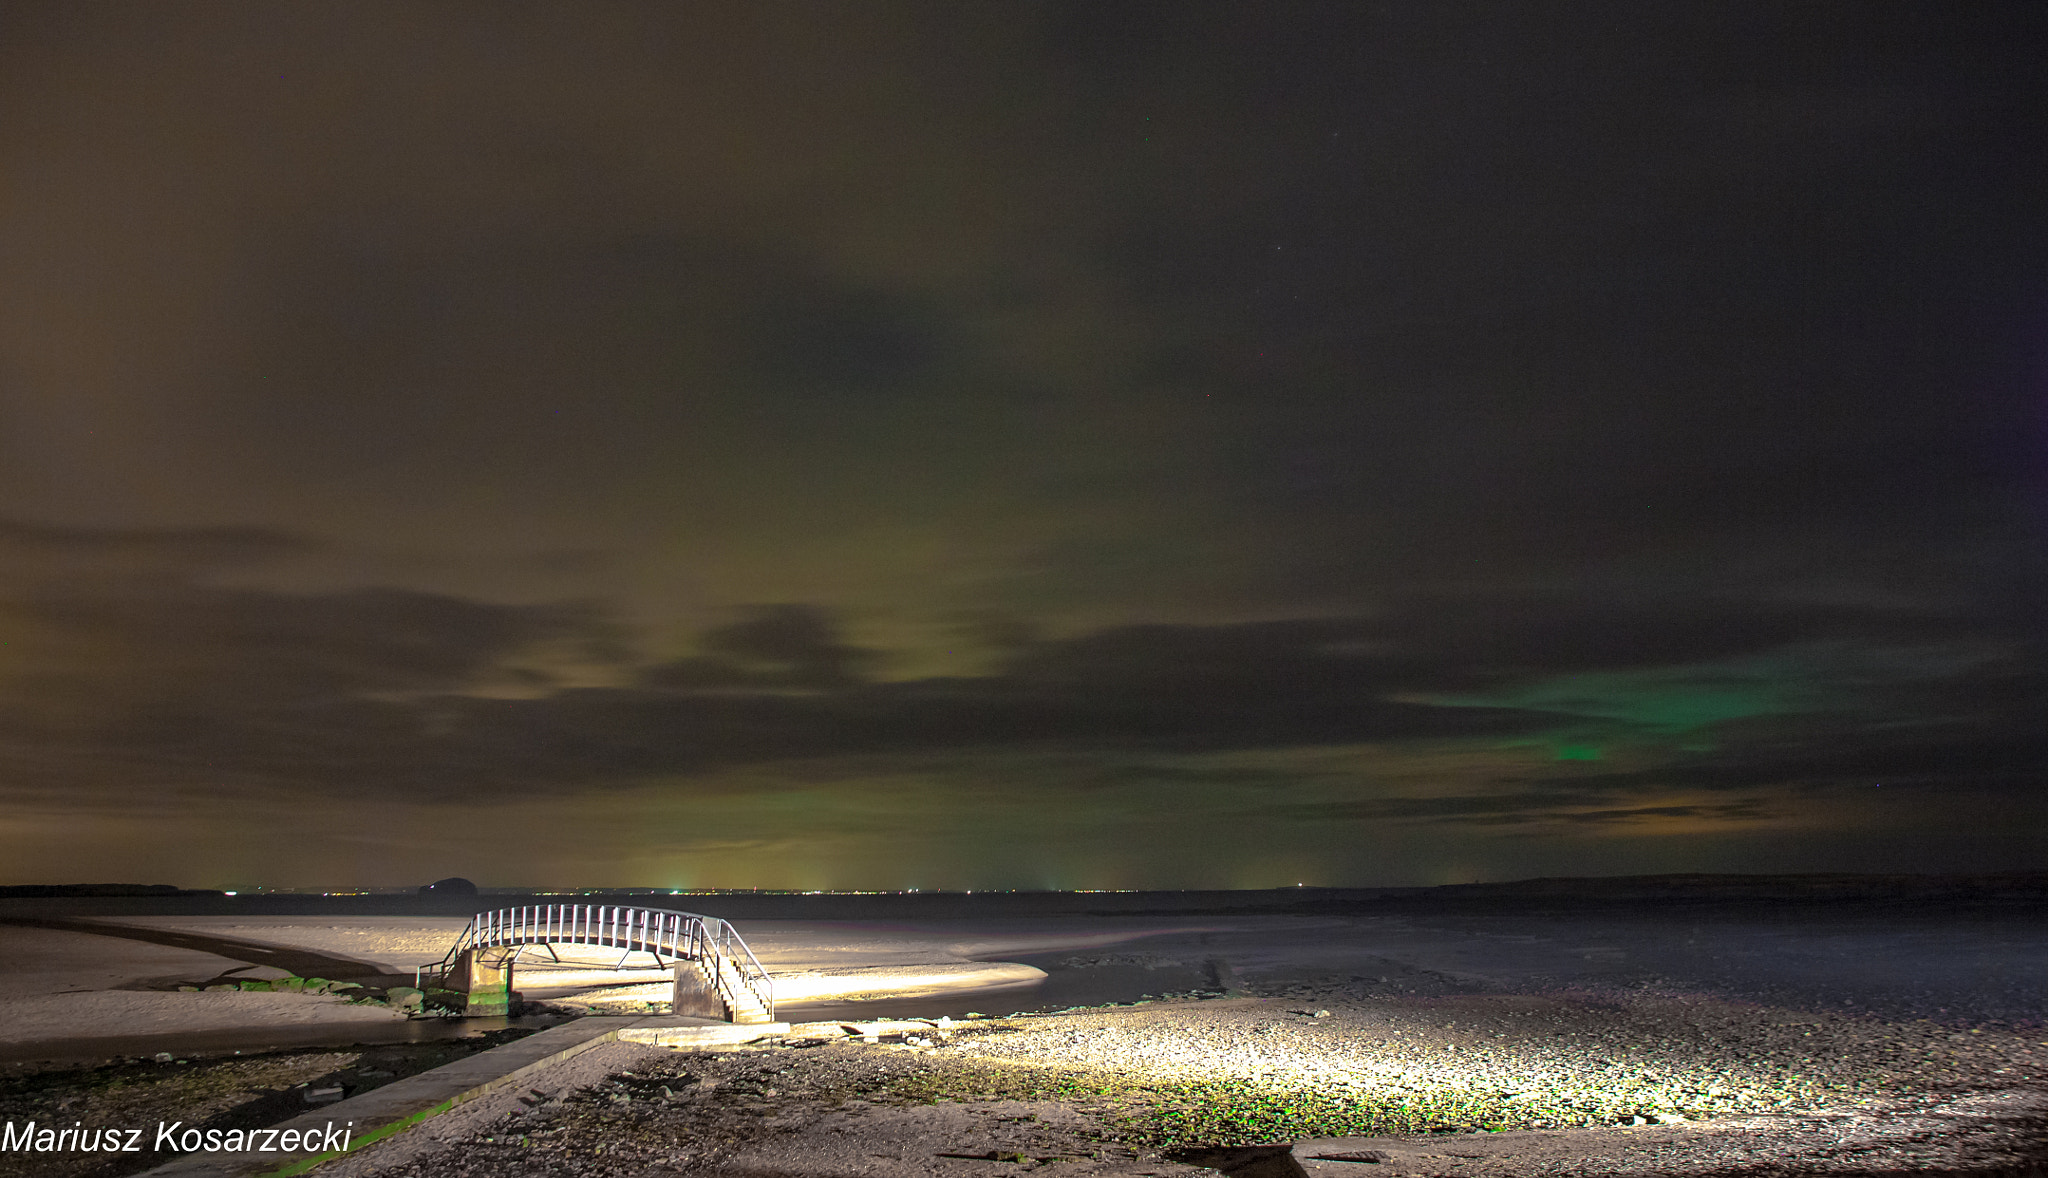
(700, 1036)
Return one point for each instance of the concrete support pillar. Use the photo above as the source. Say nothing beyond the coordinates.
(485, 975)
(694, 993)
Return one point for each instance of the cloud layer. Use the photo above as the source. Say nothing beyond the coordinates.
(1522, 730)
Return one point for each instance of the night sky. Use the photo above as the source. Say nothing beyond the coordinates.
(1069, 445)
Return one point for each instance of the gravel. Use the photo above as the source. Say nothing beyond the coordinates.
(1160, 1087)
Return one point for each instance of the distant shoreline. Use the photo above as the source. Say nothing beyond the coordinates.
(1995, 889)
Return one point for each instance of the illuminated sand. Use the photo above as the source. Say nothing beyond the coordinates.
(599, 988)
(811, 962)
(115, 1013)
(63, 985)
(36, 961)
(397, 942)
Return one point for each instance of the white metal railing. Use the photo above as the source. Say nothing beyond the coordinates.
(661, 932)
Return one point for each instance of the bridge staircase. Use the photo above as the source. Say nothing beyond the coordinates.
(713, 988)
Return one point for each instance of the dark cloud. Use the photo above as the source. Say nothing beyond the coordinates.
(796, 644)
(850, 341)
(139, 683)
(1444, 640)
(1488, 637)
(1575, 805)
(393, 691)
(1744, 811)
(544, 360)
(1970, 760)
(33, 554)
(126, 670)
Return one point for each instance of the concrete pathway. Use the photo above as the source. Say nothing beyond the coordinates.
(305, 1141)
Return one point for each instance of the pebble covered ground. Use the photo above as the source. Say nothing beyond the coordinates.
(1167, 1086)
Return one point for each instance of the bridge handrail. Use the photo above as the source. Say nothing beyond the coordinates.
(686, 935)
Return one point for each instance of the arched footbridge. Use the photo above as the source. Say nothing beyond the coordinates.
(716, 975)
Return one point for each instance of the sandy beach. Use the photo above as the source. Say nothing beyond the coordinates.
(1627, 1040)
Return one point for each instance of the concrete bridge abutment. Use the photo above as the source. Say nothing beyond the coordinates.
(484, 976)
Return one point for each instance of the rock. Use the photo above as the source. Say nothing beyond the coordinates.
(438, 999)
(164, 1057)
(454, 885)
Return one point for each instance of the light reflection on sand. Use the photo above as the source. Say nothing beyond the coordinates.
(59, 984)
